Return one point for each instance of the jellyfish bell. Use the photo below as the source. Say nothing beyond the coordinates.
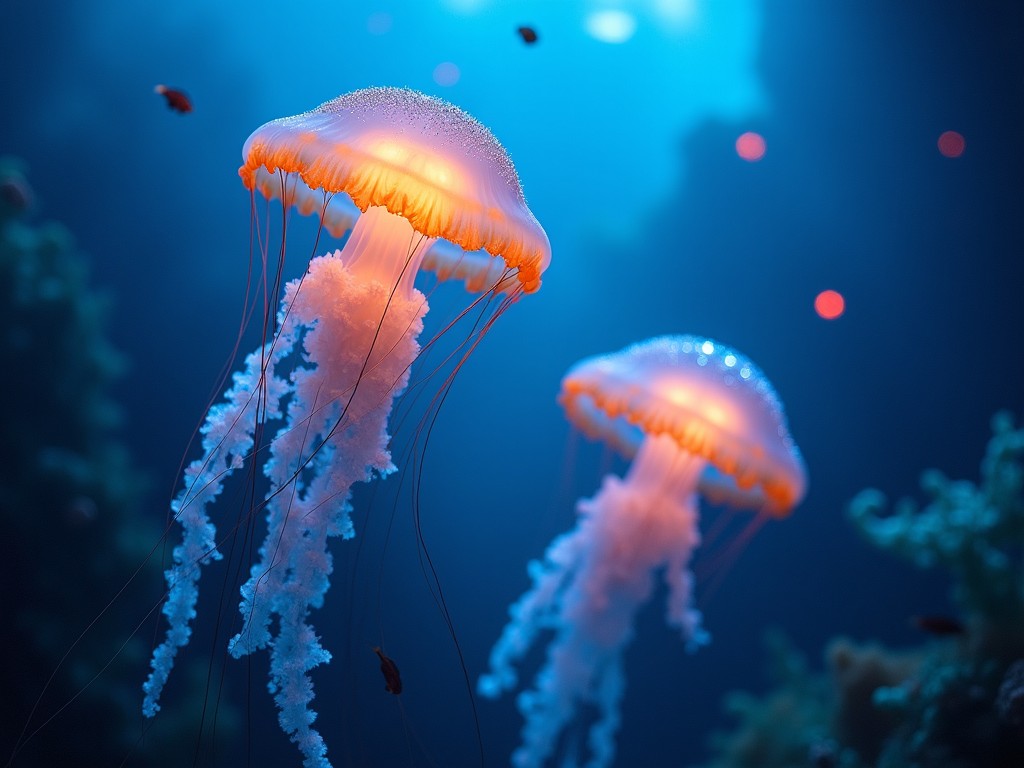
(414, 185)
(396, 151)
(717, 406)
(421, 186)
(696, 418)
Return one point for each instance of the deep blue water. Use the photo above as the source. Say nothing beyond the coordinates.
(626, 153)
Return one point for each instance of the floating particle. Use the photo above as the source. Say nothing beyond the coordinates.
(446, 73)
(829, 304)
(951, 144)
(751, 146)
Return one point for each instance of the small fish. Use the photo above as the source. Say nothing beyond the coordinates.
(388, 668)
(176, 100)
(943, 626)
(529, 34)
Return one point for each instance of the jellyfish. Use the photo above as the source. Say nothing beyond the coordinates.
(423, 186)
(697, 418)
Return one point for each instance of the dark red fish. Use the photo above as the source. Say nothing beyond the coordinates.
(388, 668)
(176, 100)
(529, 35)
(943, 626)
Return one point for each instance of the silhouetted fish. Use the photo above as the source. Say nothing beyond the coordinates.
(942, 626)
(388, 668)
(529, 34)
(176, 100)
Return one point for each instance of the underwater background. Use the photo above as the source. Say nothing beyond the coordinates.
(622, 121)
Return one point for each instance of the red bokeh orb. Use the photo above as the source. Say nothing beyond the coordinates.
(829, 304)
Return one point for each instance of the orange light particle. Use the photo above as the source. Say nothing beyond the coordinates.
(829, 304)
(951, 144)
(750, 146)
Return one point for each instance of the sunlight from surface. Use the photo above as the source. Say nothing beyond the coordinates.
(610, 26)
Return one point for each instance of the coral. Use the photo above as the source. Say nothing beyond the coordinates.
(859, 720)
(973, 531)
(819, 720)
(51, 337)
(1010, 699)
(952, 704)
(66, 485)
(783, 727)
(68, 518)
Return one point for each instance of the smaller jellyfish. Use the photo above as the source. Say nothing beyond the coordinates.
(696, 417)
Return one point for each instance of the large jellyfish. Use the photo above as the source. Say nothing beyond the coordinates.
(346, 335)
(697, 418)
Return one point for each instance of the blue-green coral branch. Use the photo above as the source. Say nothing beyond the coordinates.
(975, 531)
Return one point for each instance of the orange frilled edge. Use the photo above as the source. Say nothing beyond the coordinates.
(417, 156)
(710, 399)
